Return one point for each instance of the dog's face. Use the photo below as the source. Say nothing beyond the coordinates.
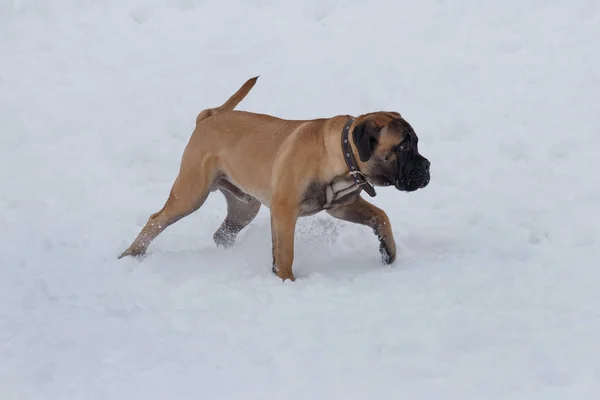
(388, 151)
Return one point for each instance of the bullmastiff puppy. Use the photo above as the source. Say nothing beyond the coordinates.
(295, 168)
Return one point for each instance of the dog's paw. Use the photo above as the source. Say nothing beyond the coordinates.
(283, 275)
(223, 238)
(286, 276)
(135, 253)
(387, 255)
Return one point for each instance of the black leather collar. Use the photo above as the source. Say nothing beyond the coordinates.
(358, 177)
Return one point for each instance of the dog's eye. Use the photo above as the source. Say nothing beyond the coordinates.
(404, 146)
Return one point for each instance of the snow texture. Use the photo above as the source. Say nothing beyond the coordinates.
(495, 293)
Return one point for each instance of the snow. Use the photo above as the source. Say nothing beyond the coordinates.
(495, 293)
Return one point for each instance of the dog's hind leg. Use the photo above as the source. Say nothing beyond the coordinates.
(189, 191)
(241, 210)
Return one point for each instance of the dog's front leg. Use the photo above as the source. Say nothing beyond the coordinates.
(284, 214)
(364, 213)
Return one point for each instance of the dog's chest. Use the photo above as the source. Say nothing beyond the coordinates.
(322, 196)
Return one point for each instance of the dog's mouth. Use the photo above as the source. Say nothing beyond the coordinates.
(414, 176)
(416, 179)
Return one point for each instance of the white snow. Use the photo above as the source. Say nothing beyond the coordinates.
(496, 290)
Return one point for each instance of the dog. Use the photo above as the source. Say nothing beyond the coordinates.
(295, 168)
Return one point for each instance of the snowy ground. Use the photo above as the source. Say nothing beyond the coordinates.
(495, 294)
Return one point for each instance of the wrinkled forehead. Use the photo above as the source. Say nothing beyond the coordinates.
(396, 131)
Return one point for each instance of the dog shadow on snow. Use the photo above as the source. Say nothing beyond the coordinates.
(324, 247)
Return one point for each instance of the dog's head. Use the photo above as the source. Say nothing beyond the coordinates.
(388, 150)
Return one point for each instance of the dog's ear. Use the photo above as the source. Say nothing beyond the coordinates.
(366, 137)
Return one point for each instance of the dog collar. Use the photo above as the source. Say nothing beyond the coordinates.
(358, 177)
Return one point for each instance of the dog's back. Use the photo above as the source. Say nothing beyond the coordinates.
(229, 129)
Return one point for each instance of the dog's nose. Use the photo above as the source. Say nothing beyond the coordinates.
(425, 164)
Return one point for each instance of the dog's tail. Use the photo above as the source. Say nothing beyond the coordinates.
(231, 103)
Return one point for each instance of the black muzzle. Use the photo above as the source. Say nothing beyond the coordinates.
(415, 175)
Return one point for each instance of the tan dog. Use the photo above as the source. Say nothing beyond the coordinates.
(294, 167)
